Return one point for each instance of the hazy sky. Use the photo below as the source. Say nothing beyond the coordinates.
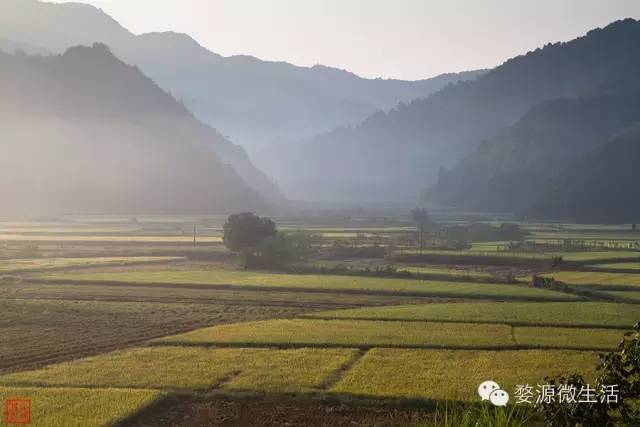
(408, 39)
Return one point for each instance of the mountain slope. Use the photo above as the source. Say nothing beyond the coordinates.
(601, 187)
(409, 144)
(254, 102)
(511, 170)
(84, 132)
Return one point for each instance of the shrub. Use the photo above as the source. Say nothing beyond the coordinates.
(620, 367)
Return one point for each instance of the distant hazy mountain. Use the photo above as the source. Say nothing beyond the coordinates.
(601, 187)
(9, 46)
(512, 170)
(252, 101)
(391, 156)
(84, 132)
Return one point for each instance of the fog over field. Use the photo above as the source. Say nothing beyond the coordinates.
(319, 213)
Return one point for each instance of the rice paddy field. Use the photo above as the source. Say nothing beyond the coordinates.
(308, 282)
(21, 265)
(598, 279)
(115, 320)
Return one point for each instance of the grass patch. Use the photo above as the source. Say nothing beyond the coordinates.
(313, 282)
(14, 265)
(594, 314)
(73, 407)
(455, 375)
(294, 370)
(348, 333)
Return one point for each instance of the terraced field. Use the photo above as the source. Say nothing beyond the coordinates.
(34, 332)
(427, 269)
(246, 279)
(583, 314)
(304, 332)
(454, 375)
(586, 278)
(77, 407)
(172, 368)
(35, 264)
(115, 338)
(368, 334)
(620, 266)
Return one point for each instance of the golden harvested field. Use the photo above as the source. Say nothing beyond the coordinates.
(293, 370)
(585, 314)
(300, 332)
(367, 334)
(221, 277)
(77, 407)
(455, 375)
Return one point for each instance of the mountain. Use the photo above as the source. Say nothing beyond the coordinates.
(254, 102)
(391, 156)
(85, 132)
(10, 46)
(510, 171)
(601, 187)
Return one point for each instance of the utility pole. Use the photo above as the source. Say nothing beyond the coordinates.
(194, 235)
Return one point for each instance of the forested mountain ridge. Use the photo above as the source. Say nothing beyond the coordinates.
(510, 171)
(253, 102)
(601, 187)
(84, 132)
(408, 145)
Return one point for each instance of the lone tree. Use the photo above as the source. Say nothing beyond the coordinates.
(244, 232)
(424, 223)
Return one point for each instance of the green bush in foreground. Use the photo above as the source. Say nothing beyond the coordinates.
(620, 368)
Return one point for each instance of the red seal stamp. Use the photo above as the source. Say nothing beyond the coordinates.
(17, 411)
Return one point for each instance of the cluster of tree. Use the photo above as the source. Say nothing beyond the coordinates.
(260, 245)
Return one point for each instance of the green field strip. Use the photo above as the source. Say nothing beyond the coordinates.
(365, 334)
(455, 375)
(425, 270)
(568, 338)
(192, 369)
(575, 314)
(77, 407)
(26, 290)
(612, 281)
(346, 333)
(627, 296)
(305, 283)
(624, 266)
